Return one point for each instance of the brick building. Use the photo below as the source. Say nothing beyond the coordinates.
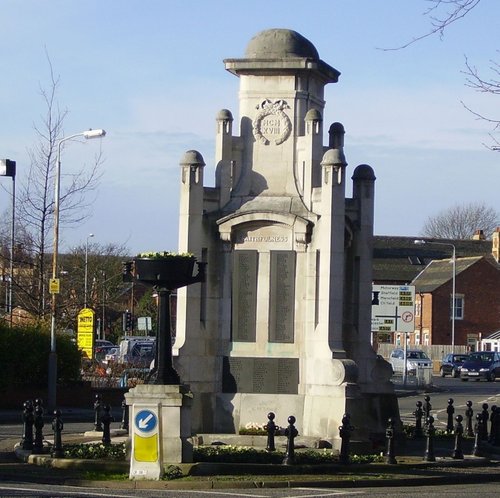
(428, 266)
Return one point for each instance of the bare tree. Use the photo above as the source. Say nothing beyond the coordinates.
(462, 221)
(441, 13)
(36, 206)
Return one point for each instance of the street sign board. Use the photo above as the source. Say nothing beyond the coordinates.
(85, 332)
(393, 308)
(145, 457)
(54, 286)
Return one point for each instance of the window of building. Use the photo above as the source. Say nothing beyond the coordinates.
(417, 338)
(459, 307)
(418, 308)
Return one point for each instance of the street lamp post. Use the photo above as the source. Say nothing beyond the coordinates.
(8, 168)
(453, 290)
(54, 288)
(86, 268)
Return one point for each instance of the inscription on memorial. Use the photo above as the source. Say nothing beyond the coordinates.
(244, 302)
(282, 297)
(260, 375)
(271, 124)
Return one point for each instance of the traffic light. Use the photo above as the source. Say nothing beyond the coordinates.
(128, 271)
(127, 321)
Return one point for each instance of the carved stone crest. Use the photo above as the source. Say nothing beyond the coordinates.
(271, 124)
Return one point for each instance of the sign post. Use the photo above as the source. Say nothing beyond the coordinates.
(145, 458)
(393, 310)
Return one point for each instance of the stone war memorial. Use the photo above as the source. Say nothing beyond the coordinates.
(282, 322)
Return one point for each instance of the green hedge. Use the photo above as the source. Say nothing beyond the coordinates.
(24, 357)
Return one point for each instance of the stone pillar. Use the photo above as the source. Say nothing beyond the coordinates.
(173, 403)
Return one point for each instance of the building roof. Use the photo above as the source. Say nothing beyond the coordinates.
(280, 43)
(493, 336)
(438, 272)
(398, 260)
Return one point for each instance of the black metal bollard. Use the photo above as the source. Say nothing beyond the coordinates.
(271, 432)
(28, 421)
(478, 430)
(418, 414)
(389, 435)
(429, 449)
(495, 429)
(98, 413)
(493, 424)
(106, 419)
(427, 407)
(484, 426)
(345, 431)
(450, 410)
(459, 430)
(469, 413)
(124, 424)
(57, 427)
(38, 422)
(291, 433)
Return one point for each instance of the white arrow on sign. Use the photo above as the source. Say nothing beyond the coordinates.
(143, 422)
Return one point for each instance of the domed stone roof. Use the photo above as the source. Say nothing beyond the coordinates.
(278, 44)
(192, 158)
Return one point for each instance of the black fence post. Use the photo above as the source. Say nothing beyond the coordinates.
(484, 426)
(291, 433)
(459, 430)
(469, 413)
(28, 421)
(106, 419)
(430, 431)
(345, 431)
(450, 410)
(57, 427)
(124, 424)
(418, 413)
(270, 428)
(478, 429)
(427, 409)
(98, 413)
(38, 442)
(389, 435)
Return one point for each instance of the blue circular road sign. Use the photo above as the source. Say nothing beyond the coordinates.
(146, 420)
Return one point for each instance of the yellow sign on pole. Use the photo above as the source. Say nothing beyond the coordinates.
(85, 332)
(54, 286)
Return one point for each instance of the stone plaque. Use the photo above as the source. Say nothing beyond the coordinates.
(260, 375)
(282, 298)
(244, 298)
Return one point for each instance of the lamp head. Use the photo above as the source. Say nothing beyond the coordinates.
(94, 134)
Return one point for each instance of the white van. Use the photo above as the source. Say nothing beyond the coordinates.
(137, 351)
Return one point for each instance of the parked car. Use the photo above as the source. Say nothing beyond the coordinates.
(112, 355)
(415, 358)
(481, 365)
(101, 351)
(452, 363)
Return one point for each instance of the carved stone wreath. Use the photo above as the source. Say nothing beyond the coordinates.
(281, 129)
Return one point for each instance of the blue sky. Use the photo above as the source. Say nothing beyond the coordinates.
(151, 74)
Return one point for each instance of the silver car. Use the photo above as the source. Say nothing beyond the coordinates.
(415, 358)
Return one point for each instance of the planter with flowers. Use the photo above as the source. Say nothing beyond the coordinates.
(165, 271)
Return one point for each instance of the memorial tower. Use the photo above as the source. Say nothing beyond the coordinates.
(283, 322)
